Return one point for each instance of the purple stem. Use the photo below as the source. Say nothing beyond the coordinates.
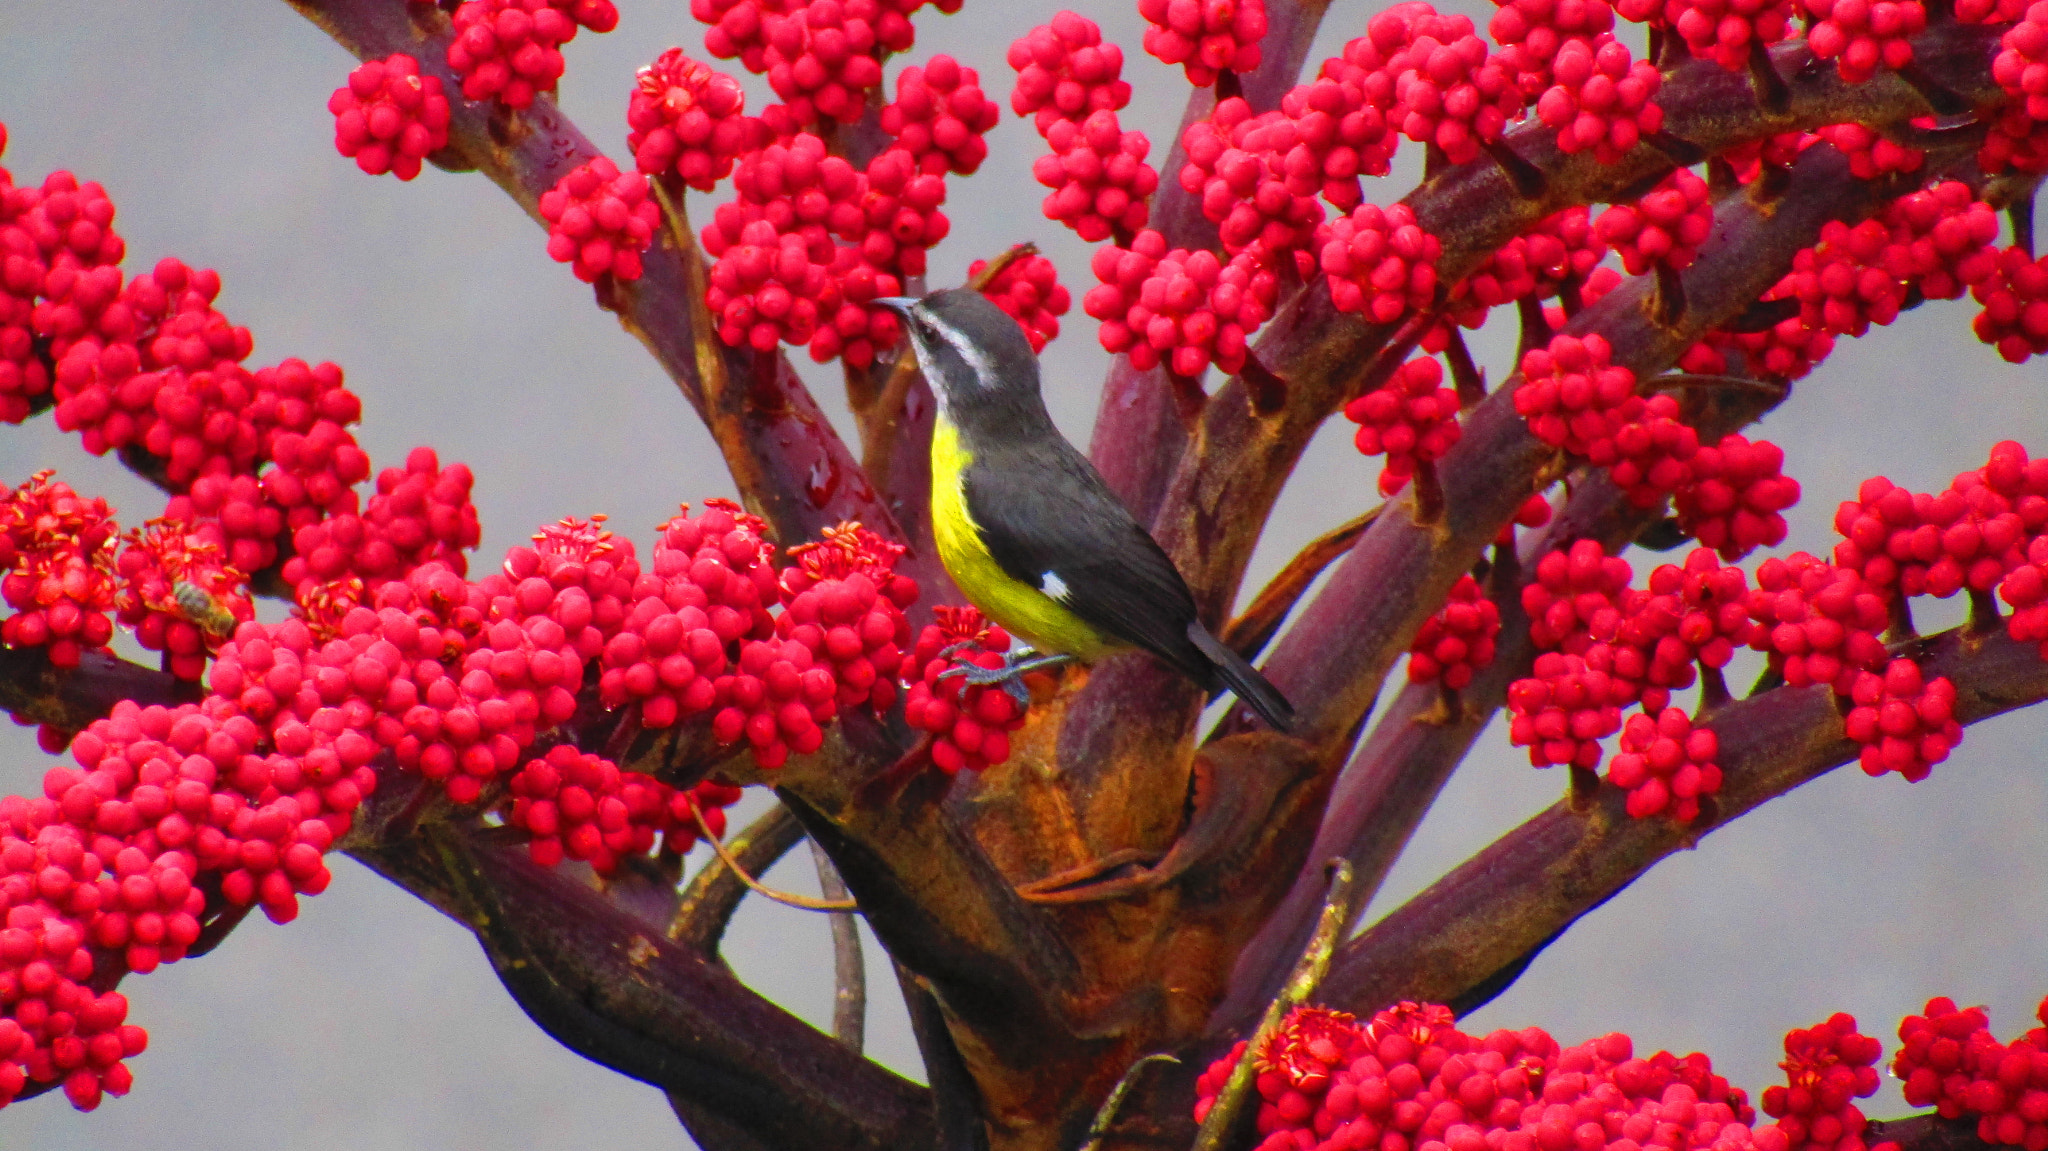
(615, 990)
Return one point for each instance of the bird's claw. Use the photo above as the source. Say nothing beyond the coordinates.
(1010, 675)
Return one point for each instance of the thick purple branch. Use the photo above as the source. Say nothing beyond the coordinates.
(33, 691)
(610, 987)
(1504, 903)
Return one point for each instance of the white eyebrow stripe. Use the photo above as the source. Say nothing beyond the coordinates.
(1051, 584)
(984, 372)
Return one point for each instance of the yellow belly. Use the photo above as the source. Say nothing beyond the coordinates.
(1023, 610)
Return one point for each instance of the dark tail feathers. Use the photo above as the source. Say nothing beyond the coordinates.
(1250, 686)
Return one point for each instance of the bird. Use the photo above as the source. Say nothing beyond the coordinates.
(1027, 528)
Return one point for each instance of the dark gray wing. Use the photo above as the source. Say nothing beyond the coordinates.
(1050, 513)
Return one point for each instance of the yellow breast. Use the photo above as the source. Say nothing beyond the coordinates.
(1025, 611)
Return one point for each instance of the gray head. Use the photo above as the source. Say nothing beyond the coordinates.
(974, 355)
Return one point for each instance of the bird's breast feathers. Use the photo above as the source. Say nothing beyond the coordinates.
(1035, 614)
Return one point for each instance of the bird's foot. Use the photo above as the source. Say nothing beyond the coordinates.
(1011, 674)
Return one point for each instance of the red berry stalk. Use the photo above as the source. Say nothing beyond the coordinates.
(1028, 288)
(1412, 418)
(687, 119)
(1457, 642)
(388, 117)
(1667, 767)
(1205, 37)
(55, 547)
(1066, 71)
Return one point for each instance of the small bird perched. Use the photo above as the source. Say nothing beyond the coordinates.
(1027, 528)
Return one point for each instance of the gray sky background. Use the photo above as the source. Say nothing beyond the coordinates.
(372, 1023)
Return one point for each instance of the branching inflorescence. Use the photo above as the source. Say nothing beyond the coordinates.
(591, 707)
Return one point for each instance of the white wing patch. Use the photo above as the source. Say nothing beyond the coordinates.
(1051, 584)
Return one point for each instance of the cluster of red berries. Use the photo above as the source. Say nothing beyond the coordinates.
(1870, 154)
(709, 588)
(55, 1027)
(174, 387)
(1650, 456)
(781, 277)
(178, 595)
(1183, 309)
(1576, 597)
(1066, 71)
(1723, 31)
(1100, 182)
(1238, 166)
(686, 118)
(1409, 1079)
(179, 393)
(1820, 623)
(774, 280)
(1862, 35)
(581, 806)
(55, 548)
(940, 116)
(509, 50)
(1567, 705)
(307, 410)
(2015, 299)
(901, 218)
(1412, 418)
(1572, 394)
(1827, 1067)
(1972, 535)
(1942, 239)
(2026, 589)
(420, 513)
(388, 117)
(1949, 1060)
(1205, 37)
(1737, 496)
(1603, 100)
(1697, 614)
(822, 57)
(1448, 91)
(1667, 226)
(2021, 67)
(105, 865)
(1841, 283)
(1530, 33)
(970, 724)
(600, 220)
(61, 256)
(1379, 261)
(843, 599)
(1458, 641)
(1666, 765)
(1906, 723)
(1029, 290)
(1340, 120)
(808, 49)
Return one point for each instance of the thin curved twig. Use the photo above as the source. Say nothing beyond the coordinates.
(710, 899)
(787, 899)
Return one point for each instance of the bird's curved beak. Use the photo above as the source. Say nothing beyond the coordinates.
(898, 304)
